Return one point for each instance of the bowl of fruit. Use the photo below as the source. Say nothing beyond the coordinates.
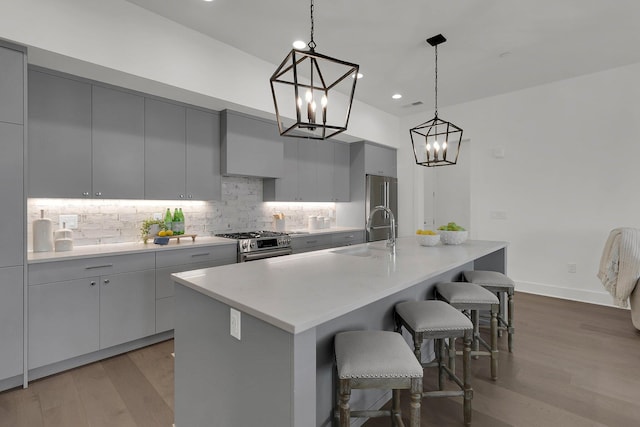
(427, 237)
(452, 234)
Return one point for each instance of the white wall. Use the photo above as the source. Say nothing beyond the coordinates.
(123, 44)
(568, 176)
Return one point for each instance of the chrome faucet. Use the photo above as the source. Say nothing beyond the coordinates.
(391, 241)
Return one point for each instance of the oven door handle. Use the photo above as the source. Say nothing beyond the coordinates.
(265, 254)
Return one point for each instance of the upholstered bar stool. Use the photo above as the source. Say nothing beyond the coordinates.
(376, 360)
(502, 286)
(472, 298)
(439, 321)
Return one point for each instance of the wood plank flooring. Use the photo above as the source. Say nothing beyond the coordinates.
(574, 364)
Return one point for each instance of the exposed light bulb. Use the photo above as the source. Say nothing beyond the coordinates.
(308, 96)
(436, 146)
(313, 106)
(428, 147)
(444, 145)
(299, 102)
(323, 101)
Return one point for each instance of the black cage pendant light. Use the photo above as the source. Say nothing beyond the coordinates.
(315, 90)
(436, 142)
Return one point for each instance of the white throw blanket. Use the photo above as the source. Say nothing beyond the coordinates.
(620, 264)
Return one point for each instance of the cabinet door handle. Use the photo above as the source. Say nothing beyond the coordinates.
(98, 266)
(98, 193)
(190, 196)
(181, 196)
(202, 254)
(107, 281)
(85, 194)
(93, 283)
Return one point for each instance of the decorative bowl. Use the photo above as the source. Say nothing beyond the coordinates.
(453, 237)
(427, 239)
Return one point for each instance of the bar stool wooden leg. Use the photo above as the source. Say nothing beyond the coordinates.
(466, 369)
(395, 411)
(494, 341)
(452, 355)
(344, 396)
(475, 319)
(441, 363)
(510, 319)
(416, 399)
(417, 346)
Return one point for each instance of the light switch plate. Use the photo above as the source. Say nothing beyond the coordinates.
(69, 221)
(234, 323)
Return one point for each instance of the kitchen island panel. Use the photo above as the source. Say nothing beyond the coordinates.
(267, 378)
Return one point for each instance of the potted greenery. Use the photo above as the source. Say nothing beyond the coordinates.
(150, 227)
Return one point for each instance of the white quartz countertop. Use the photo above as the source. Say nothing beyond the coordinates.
(91, 251)
(332, 230)
(299, 292)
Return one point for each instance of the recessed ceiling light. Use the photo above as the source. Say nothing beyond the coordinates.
(208, 1)
(299, 44)
(360, 75)
(396, 96)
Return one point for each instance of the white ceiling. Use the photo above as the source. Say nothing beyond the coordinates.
(493, 46)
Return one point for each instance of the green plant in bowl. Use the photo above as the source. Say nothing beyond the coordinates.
(145, 228)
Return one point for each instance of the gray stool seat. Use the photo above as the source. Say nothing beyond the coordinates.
(499, 284)
(473, 298)
(381, 360)
(439, 321)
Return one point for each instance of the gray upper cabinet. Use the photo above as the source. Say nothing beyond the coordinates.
(203, 155)
(314, 171)
(118, 144)
(164, 156)
(59, 149)
(250, 146)
(11, 194)
(341, 165)
(11, 86)
(380, 160)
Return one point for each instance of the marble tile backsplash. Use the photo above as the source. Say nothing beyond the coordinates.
(119, 221)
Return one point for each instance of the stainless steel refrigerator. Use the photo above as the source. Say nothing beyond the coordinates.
(381, 191)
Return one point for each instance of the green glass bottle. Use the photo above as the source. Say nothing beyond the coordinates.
(168, 220)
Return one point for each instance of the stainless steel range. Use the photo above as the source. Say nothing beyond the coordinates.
(254, 245)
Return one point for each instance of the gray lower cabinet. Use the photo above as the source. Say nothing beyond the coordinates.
(127, 307)
(63, 320)
(118, 144)
(312, 242)
(347, 238)
(175, 261)
(59, 155)
(11, 321)
(84, 305)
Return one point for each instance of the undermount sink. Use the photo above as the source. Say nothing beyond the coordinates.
(374, 250)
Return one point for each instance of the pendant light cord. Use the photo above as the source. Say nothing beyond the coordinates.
(312, 44)
(436, 80)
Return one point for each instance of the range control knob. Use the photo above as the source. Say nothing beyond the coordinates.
(253, 245)
(244, 244)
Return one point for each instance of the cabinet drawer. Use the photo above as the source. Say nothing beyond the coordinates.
(311, 242)
(347, 238)
(57, 271)
(197, 255)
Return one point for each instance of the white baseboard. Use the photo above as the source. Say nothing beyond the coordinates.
(581, 295)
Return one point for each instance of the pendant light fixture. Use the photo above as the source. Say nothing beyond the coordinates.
(436, 142)
(315, 90)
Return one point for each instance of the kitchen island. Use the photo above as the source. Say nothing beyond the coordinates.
(280, 372)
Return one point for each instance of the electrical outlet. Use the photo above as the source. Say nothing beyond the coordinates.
(69, 221)
(234, 323)
(157, 215)
(571, 267)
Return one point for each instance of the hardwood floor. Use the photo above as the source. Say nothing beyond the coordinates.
(574, 364)
(131, 390)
